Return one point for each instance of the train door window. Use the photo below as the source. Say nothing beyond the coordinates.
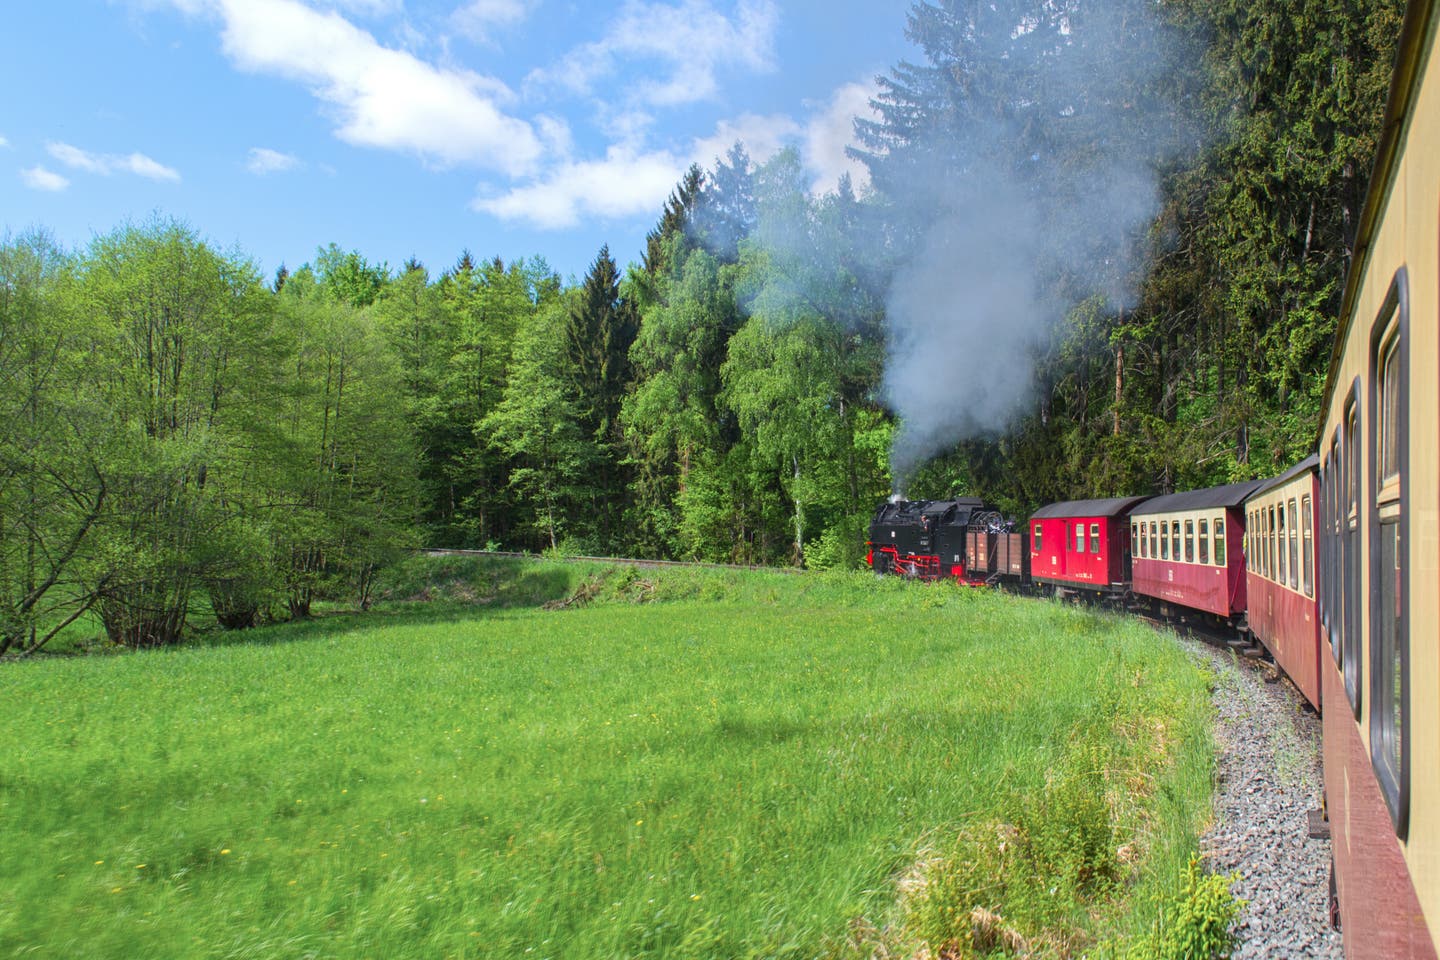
(1039, 538)
(1307, 544)
(1175, 540)
(1079, 538)
(1094, 538)
(1204, 541)
(1219, 541)
(1189, 541)
(1388, 530)
(1350, 551)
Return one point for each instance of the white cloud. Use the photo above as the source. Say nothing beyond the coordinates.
(263, 160)
(4, 143)
(38, 178)
(631, 181)
(106, 164)
(368, 8)
(381, 97)
(763, 137)
(478, 18)
(692, 40)
(626, 183)
(831, 131)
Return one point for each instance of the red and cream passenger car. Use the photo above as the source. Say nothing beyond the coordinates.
(1379, 571)
(1186, 551)
(1083, 546)
(1281, 520)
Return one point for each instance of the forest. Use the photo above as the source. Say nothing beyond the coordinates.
(1062, 279)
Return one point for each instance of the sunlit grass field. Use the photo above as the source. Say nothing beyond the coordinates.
(749, 765)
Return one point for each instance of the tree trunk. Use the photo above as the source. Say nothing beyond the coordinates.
(1119, 383)
(799, 555)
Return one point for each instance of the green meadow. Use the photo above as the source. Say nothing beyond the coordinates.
(674, 764)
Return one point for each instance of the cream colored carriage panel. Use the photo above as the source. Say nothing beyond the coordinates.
(1408, 235)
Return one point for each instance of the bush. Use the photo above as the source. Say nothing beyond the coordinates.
(1196, 924)
(841, 546)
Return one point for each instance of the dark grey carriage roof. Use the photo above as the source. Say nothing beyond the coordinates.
(1309, 465)
(1230, 495)
(1113, 507)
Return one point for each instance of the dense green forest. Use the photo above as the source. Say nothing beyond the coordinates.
(177, 430)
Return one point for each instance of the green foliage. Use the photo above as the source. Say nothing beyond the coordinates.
(1197, 922)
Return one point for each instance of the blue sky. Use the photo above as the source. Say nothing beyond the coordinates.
(406, 128)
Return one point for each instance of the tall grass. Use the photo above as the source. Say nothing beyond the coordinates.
(762, 774)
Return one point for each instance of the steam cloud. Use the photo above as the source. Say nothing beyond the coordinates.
(1014, 205)
(1002, 251)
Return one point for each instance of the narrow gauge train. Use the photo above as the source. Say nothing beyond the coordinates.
(1323, 565)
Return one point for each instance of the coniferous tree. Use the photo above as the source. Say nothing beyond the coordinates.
(600, 327)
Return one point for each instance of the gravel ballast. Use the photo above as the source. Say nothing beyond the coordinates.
(1268, 779)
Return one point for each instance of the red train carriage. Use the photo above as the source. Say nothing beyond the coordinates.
(1186, 552)
(1281, 520)
(1083, 546)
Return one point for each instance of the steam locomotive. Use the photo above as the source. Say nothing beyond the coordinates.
(1333, 566)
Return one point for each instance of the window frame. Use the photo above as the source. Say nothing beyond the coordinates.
(1202, 541)
(1080, 537)
(1175, 540)
(1352, 497)
(1037, 543)
(1218, 552)
(1190, 540)
(1307, 543)
(1292, 509)
(1095, 538)
(1282, 537)
(1388, 510)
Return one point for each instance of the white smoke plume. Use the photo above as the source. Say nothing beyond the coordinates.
(1006, 242)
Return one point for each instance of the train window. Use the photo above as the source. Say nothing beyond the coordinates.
(1294, 546)
(1389, 535)
(1307, 539)
(1189, 541)
(1154, 546)
(1038, 538)
(1350, 550)
(1094, 538)
(1271, 557)
(1204, 541)
(1175, 540)
(1281, 550)
(1164, 542)
(1135, 542)
(1219, 541)
(1079, 538)
(1330, 600)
